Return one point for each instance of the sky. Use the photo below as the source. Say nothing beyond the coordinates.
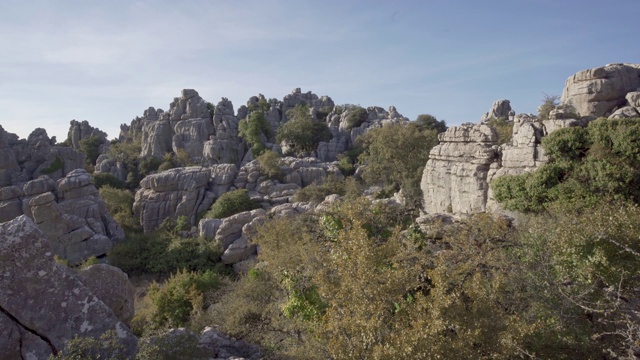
(108, 61)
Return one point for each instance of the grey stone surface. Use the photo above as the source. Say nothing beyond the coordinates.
(46, 299)
(499, 109)
(111, 285)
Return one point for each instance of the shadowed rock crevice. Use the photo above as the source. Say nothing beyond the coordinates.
(31, 331)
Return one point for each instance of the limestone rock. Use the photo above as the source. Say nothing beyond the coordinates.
(455, 177)
(221, 346)
(8, 162)
(172, 193)
(45, 299)
(156, 137)
(111, 285)
(190, 137)
(596, 92)
(624, 113)
(231, 227)
(81, 130)
(499, 109)
(633, 98)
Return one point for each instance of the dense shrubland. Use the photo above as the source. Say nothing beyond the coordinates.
(361, 280)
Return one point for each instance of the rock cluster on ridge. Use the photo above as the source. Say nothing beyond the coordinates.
(70, 212)
(600, 91)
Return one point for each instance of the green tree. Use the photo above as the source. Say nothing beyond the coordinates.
(394, 155)
(357, 116)
(430, 122)
(255, 130)
(90, 147)
(549, 102)
(504, 129)
(302, 130)
(231, 203)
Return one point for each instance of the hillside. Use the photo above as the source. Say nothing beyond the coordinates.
(299, 229)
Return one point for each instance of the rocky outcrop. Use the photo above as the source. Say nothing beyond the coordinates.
(499, 109)
(157, 133)
(455, 177)
(297, 97)
(81, 130)
(172, 193)
(70, 212)
(598, 92)
(22, 160)
(43, 305)
(225, 147)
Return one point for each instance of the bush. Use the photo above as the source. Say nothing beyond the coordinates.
(429, 122)
(549, 102)
(357, 116)
(172, 303)
(107, 179)
(56, 164)
(316, 193)
(161, 253)
(120, 203)
(252, 129)
(393, 156)
(91, 148)
(107, 346)
(269, 163)
(504, 129)
(302, 131)
(231, 203)
(173, 345)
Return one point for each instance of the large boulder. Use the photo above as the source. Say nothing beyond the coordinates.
(81, 130)
(455, 177)
(499, 109)
(598, 91)
(111, 285)
(44, 304)
(172, 193)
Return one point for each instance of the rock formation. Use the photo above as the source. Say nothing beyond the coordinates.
(70, 212)
(43, 305)
(22, 160)
(79, 131)
(499, 109)
(600, 91)
(455, 177)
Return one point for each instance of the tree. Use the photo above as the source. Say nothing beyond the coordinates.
(429, 122)
(394, 156)
(91, 148)
(302, 130)
(549, 102)
(255, 130)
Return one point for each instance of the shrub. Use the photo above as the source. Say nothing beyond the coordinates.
(161, 253)
(172, 303)
(429, 122)
(252, 129)
(56, 164)
(269, 163)
(304, 132)
(107, 179)
(316, 193)
(549, 102)
(357, 116)
(393, 156)
(91, 148)
(504, 129)
(120, 203)
(231, 203)
(107, 346)
(172, 345)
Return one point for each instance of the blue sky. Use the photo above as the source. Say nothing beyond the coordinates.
(107, 61)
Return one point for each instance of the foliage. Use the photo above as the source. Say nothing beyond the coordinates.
(253, 129)
(394, 155)
(269, 163)
(172, 345)
(120, 203)
(549, 102)
(302, 130)
(90, 147)
(107, 346)
(56, 164)
(162, 253)
(357, 116)
(587, 164)
(430, 122)
(504, 129)
(317, 192)
(231, 203)
(107, 179)
(172, 303)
